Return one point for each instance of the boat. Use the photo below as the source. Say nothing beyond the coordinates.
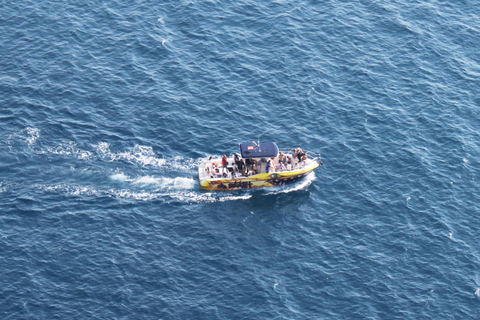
(258, 165)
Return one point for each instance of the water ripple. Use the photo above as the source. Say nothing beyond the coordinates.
(107, 109)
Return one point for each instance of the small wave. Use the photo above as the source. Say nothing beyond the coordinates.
(139, 154)
(146, 156)
(143, 155)
(73, 190)
(32, 135)
(208, 197)
(147, 180)
(71, 149)
(3, 187)
(29, 135)
(178, 182)
(234, 198)
(186, 196)
(119, 177)
(302, 184)
(184, 164)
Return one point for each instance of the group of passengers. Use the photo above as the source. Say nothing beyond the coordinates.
(242, 167)
(246, 167)
(287, 162)
(217, 171)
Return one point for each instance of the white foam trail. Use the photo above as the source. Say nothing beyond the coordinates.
(70, 149)
(302, 184)
(102, 147)
(146, 156)
(185, 195)
(234, 198)
(184, 164)
(177, 183)
(33, 135)
(169, 183)
(29, 134)
(207, 197)
(139, 154)
(147, 180)
(184, 183)
(128, 194)
(143, 155)
(72, 190)
(85, 190)
(119, 177)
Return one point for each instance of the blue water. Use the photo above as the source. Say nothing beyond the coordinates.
(107, 107)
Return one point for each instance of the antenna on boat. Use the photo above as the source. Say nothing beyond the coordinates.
(257, 144)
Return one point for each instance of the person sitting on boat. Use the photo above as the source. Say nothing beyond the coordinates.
(282, 164)
(216, 173)
(214, 167)
(280, 157)
(294, 157)
(289, 162)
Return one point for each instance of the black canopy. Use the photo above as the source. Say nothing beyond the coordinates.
(263, 150)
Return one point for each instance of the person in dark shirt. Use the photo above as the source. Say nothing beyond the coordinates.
(248, 163)
(300, 154)
(238, 162)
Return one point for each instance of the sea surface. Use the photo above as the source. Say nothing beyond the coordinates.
(107, 108)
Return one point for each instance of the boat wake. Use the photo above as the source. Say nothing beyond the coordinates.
(137, 173)
(297, 186)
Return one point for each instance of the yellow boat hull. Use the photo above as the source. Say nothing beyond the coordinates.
(257, 181)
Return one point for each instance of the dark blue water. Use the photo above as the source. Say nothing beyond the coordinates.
(106, 108)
